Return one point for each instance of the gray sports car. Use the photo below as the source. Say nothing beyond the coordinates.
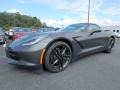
(55, 50)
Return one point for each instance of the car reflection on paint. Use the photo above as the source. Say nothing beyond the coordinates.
(20, 32)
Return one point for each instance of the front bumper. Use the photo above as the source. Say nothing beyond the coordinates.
(24, 64)
(30, 57)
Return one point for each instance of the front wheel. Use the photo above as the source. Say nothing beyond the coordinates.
(57, 57)
(110, 45)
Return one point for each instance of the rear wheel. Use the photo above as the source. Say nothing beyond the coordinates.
(110, 45)
(57, 57)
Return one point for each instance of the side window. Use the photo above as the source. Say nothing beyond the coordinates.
(93, 28)
(82, 29)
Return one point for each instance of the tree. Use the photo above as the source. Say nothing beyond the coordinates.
(8, 20)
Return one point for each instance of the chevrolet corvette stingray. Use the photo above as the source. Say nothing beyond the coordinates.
(55, 50)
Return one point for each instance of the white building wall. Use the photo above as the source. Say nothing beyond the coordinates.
(114, 29)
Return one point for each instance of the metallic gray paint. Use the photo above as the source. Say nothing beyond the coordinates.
(82, 43)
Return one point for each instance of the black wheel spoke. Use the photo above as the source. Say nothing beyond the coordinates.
(64, 50)
(58, 51)
(55, 61)
(66, 56)
(60, 64)
(60, 57)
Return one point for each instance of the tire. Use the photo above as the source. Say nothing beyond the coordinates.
(110, 45)
(57, 57)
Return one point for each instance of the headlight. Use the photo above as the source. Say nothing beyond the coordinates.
(33, 40)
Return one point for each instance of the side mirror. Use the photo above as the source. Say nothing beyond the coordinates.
(97, 31)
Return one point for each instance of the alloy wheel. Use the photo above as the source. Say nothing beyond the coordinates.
(60, 57)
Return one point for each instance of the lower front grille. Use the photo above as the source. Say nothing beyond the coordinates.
(13, 55)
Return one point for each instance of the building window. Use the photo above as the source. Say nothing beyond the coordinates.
(107, 30)
(117, 30)
(113, 30)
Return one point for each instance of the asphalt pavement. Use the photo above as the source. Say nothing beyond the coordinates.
(98, 71)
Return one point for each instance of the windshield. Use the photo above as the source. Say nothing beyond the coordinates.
(75, 28)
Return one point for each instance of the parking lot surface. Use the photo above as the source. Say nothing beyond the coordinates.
(98, 71)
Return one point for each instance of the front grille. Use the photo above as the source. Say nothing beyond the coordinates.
(13, 55)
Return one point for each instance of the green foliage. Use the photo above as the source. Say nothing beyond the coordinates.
(8, 20)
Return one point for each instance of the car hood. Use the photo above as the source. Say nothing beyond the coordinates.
(54, 34)
(26, 38)
(39, 34)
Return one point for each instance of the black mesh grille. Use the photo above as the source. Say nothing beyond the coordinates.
(13, 55)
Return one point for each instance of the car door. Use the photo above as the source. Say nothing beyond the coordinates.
(91, 38)
(96, 37)
(81, 36)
